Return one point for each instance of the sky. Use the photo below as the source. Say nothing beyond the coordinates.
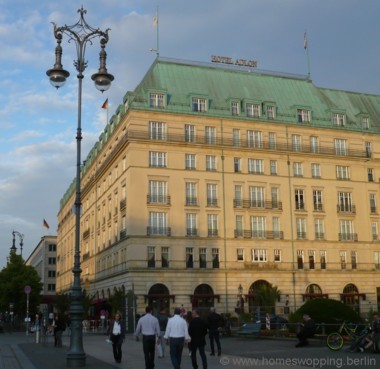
(38, 123)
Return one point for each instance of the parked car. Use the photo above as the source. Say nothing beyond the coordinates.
(276, 321)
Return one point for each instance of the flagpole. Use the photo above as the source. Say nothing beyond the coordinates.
(158, 39)
(306, 47)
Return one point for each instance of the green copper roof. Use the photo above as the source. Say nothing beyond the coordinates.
(220, 83)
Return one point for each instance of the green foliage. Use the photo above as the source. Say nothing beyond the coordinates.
(328, 311)
(13, 280)
(117, 300)
(266, 295)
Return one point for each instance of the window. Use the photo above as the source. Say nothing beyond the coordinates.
(276, 228)
(272, 140)
(311, 259)
(237, 165)
(374, 231)
(315, 170)
(52, 247)
(151, 257)
(342, 172)
(51, 261)
(202, 257)
(51, 286)
(297, 170)
(210, 135)
(189, 133)
(301, 228)
(157, 131)
(274, 198)
(235, 108)
(255, 166)
(300, 258)
(340, 147)
(258, 227)
(191, 194)
(338, 119)
(303, 116)
(256, 197)
(51, 273)
(376, 259)
(314, 144)
(255, 139)
(156, 100)
(299, 198)
(277, 255)
(191, 225)
(210, 163)
(323, 259)
(271, 112)
(164, 257)
(370, 175)
(158, 224)
(296, 143)
(236, 137)
(346, 230)
(158, 192)
(212, 194)
(157, 159)
(189, 257)
(199, 104)
(273, 167)
(215, 258)
(238, 202)
(365, 123)
(368, 149)
(317, 200)
(253, 110)
(319, 229)
(353, 259)
(239, 229)
(345, 202)
(372, 203)
(240, 254)
(342, 256)
(212, 225)
(190, 161)
(259, 255)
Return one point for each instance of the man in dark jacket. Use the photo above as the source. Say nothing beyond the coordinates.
(197, 332)
(214, 321)
(307, 331)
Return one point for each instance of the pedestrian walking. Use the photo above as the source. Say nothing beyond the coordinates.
(116, 333)
(214, 322)
(197, 332)
(149, 327)
(163, 321)
(177, 336)
(59, 328)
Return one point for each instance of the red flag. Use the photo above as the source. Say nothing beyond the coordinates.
(45, 224)
(105, 104)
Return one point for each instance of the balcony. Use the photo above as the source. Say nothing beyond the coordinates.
(158, 231)
(212, 202)
(123, 204)
(191, 232)
(212, 233)
(86, 234)
(352, 237)
(257, 204)
(273, 235)
(191, 201)
(346, 208)
(158, 199)
(123, 234)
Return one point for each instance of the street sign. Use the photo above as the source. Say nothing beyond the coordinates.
(27, 289)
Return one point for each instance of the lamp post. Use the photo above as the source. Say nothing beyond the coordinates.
(80, 33)
(14, 248)
(240, 302)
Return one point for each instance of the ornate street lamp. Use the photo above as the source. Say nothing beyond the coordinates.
(14, 248)
(81, 34)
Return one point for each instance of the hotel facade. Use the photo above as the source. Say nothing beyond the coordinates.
(212, 177)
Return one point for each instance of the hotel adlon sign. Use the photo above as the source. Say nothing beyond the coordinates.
(228, 60)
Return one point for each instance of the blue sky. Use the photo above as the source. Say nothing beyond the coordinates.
(38, 123)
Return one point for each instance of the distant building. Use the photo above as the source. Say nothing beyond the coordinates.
(43, 259)
(210, 177)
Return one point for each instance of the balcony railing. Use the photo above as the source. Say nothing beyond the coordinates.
(353, 237)
(158, 199)
(158, 231)
(123, 204)
(191, 232)
(191, 201)
(257, 204)
(86, 233)
(212, 233)
(123, 234)
(350, 209)
(279, 235)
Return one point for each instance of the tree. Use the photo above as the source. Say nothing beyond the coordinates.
(266, 296)
(13, 280)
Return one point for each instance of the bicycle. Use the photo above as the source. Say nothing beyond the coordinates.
(335, 340)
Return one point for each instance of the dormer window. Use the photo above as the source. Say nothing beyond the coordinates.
(339, 119)
(157, 100)
(253, 110)
(271, 112)
(365, 123)
(235, 108)
(199, 104)
(303, 116)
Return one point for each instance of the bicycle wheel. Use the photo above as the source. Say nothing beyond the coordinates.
(334, 341)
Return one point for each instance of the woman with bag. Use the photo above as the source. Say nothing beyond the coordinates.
(116, 333)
